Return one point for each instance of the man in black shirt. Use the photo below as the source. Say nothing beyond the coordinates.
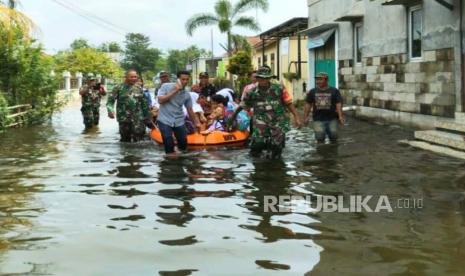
(325, 103)
(204, 88)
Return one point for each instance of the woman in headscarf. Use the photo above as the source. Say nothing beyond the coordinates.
(242, 119)
(198, 112)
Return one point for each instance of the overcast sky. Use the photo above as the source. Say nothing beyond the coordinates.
(162, 20)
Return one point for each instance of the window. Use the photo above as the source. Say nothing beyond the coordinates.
(272, 63)
(265, 60)
(259, 62)
(415, 24)
(358, 37)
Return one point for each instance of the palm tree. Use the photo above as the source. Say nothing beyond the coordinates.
(238, 43)
(227, 16)
(10, 17)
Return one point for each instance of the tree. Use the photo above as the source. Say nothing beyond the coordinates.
(110, 47)
(25, 72)
(138, 55)
(87, 60)
(178, 59)
(239, 43)
(240, 64)
(80, 43)
(114, 47)
(10, 17)
(226, 17)
(24, 68)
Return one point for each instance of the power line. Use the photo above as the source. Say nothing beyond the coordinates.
(93, 15)
(90, 19)
(87, 17)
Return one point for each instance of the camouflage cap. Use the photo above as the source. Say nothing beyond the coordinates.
(203, 75)
(163, 73)
(91, 76)
(264, 72)
(321, 75)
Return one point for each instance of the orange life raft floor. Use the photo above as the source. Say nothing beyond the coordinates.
(213, 139)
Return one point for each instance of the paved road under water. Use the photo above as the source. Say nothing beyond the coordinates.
(74, 203)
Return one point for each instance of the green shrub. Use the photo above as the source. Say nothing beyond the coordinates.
(25, 75)
(3, 112)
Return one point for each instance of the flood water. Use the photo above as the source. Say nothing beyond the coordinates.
(75, 203)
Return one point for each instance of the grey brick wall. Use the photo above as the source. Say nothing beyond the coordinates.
(392, 82)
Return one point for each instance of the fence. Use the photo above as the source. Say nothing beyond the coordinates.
(18, 114)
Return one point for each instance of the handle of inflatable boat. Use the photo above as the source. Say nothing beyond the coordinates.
(154, 125)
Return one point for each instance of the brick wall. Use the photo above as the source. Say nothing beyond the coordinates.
(391, 82)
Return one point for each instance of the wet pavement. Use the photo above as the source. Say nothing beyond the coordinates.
(76, 203)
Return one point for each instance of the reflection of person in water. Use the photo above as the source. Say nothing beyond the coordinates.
(172, 171)
(270, 179)
(323, 165)
(185, 172)
(133, 169)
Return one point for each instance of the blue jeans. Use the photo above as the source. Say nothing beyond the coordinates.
(167, 134)
(323, 128)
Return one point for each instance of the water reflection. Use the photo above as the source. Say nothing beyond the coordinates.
(22, 151)
(132, 169)
(262, 178)
(87, 203)
(183, 174)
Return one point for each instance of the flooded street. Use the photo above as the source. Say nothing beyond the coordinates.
(75, 203)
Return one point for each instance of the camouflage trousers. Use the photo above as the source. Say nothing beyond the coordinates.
(270, 139)
(132, 131)
(91, 116)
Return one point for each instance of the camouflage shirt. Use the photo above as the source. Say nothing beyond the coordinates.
(270, 118)
(92, 98)
(131, 105)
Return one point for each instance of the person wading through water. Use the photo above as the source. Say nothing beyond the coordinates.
(270, 102)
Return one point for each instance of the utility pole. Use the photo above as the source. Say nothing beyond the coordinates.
(212, 50)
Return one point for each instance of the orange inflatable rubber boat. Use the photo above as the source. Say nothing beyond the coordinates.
(207, 140)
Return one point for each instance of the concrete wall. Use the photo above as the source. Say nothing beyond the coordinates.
(391, 82)
(320, 14)
(384, 30)
(387, 79)
(198, 66)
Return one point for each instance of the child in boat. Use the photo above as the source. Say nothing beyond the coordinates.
(205, 103)
(198, 112)
(242, 121)
(230, 106)
(216, 118)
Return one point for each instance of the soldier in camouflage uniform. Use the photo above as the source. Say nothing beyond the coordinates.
(132, 110)
(91, 97)
(270, 102)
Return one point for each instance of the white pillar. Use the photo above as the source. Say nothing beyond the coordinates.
(79, 80)
(67, 77)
